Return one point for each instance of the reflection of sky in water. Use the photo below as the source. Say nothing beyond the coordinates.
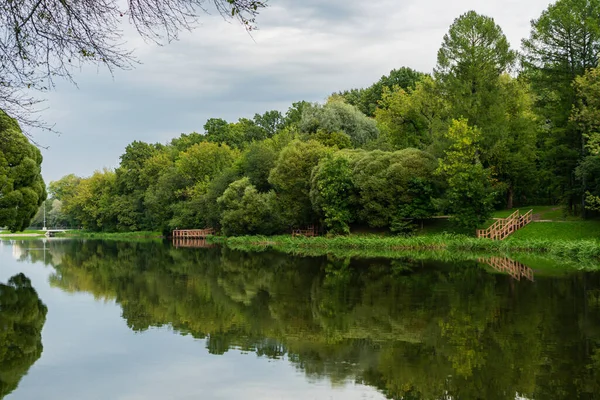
(90, 353)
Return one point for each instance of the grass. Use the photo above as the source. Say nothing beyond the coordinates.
(25, 233)
(580, 251)
(112, 236)
(567, 230)
(554, 213)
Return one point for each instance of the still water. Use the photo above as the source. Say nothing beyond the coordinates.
(116, 320)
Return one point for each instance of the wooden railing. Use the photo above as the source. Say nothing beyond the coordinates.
(192, 242)
(309, 231)
(503, 227)
(192, 233)
(513, 268)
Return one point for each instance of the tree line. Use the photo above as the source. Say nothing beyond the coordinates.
(491, 127)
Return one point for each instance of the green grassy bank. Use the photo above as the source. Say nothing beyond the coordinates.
(142, 235)
(580, 250)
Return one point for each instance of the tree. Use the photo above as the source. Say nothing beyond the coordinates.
(331, 193)
(469, 197)
(586, 114)
(41, 40)
(22, 189)
(473, 55)
(394, 187)
(291, 178)
(92, 202)
(337, 116)
(367, 100)
(564, 42)
(471, 69)
(413, 117)
(247, 212)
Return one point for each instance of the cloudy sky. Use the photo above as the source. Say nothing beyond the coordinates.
(303, 50)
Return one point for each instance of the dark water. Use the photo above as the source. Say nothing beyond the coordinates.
(149, 321)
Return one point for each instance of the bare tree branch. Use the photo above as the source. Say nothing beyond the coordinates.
(41, 40)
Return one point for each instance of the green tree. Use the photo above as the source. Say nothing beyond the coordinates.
(92, 202)
(332, 192)
(22, 189)
(413, 117)
(473, 55)
(257, 162)
(586, 114)
(246, 211)
(291, 178)
(564, 42)
(469, 197)
(394, 187)
(337, 116)
(367, 100)
(271, 121)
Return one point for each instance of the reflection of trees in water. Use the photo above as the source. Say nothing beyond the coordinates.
(22, 317)
(412, 330)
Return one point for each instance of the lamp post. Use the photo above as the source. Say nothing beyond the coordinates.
(44, 228)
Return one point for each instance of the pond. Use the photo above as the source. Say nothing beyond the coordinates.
(126, 320)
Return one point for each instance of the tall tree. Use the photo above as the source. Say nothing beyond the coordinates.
(586, 114)
(471, 70)
(367, 100)
(564, 42)
(469, 197)
(22, 188)
(473, 55)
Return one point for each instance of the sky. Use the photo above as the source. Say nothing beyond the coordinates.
(303, 50)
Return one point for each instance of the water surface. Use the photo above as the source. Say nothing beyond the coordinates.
(151, 321)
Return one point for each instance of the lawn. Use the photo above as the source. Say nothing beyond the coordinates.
(554, 213)
(565, 230)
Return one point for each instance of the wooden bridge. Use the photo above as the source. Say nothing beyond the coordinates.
(506, 265)
(192, 233)
(503, 227)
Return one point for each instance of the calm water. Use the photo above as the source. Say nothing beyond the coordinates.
(112, 320)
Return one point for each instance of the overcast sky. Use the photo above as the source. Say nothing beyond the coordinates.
(303, 50)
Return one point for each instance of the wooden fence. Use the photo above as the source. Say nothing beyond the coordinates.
(196, 243)
(193, 233)
(503, 227)
(309, 231)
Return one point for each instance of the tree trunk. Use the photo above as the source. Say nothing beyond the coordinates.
(509, 198)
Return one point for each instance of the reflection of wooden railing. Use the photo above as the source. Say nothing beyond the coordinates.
(192, 233)
(511, 267)
(308, 231)
(503, 227)
(198, 243)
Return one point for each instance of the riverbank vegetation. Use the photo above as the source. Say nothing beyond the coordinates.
(491, 128)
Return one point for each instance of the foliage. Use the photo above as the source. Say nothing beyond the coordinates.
(291, 178)
(331, 193)
(22, 317)
(564, 42)
(586, 114)
(22, 188)
(470, 195)
(337, 116)
(246, 211)
(367, 100)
